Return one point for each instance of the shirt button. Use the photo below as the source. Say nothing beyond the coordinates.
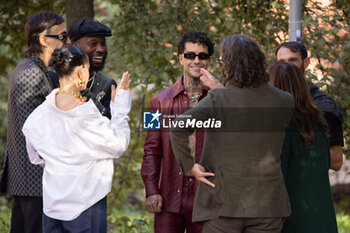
(185, 102)
(190, 179)
(178, 190)
(179, 173)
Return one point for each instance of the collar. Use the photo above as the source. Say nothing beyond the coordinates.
(93, 80)
(178, 88)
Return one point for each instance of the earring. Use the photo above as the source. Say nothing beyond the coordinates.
(81, 83)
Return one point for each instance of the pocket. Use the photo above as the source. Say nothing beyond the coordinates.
(81, 224)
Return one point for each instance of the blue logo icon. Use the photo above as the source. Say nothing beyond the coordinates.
(151, 120)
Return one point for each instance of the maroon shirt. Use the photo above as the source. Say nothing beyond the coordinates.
(160, 170)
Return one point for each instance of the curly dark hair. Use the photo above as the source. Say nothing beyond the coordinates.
(243, 63)
(306, 116)
(197, 38)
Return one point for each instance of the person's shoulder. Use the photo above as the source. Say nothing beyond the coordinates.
(26, 68)
(283, 95)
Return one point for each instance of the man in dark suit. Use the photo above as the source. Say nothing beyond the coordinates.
(90, 36)
(29, 85)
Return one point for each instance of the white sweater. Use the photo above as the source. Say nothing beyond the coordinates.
(76, 148)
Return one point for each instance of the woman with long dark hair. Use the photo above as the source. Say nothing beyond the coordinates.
(76, 145)
(305, 157)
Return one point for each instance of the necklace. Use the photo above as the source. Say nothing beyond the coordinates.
(194, 98)
(76, 94)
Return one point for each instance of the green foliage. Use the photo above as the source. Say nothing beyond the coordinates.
(127, 222)
(5, 215)
(327, 37)
(343, 221)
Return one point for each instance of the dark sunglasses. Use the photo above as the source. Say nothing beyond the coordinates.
(63, 37)
(192, 56)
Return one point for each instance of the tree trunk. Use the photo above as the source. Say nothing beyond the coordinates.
(77, 9)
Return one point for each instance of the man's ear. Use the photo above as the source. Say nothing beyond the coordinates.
(306, 62)
(42, 41)
(181, 57)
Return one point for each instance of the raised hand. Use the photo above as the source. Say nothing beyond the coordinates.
(209, 80)
(125, 81)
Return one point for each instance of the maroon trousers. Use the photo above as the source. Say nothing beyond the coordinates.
(179, 222)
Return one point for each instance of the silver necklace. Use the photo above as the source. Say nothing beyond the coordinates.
(195, 98)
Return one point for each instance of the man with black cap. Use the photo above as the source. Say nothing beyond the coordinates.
(89, 35)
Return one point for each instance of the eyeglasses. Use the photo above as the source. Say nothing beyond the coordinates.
(192, 56)
(63, 37)
(219, 59)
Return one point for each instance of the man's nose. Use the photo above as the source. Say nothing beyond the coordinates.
(196, 59)
(101, 48)
(68, 42)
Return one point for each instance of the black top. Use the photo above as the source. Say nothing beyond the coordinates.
(331, 112)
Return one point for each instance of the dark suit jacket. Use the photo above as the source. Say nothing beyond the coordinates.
(29, 85)
(244, 154)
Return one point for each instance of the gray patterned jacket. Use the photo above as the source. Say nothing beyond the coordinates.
(29, 86)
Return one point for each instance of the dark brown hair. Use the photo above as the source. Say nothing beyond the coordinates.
(37, 24)
(288, 77)
(295, 47)
(66, 58)
(244, 64)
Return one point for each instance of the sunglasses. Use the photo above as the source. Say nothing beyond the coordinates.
(192, 56)
(63, 37)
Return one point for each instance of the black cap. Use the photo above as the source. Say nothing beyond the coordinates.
(87, 27)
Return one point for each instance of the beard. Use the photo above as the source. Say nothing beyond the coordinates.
(97, 68)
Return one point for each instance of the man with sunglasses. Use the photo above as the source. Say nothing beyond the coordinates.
(28, 88)
(90, 36)
(170, 194)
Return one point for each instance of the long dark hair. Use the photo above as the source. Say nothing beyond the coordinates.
(66, 58)
(306, 116)
(37, 24)
(244, 64)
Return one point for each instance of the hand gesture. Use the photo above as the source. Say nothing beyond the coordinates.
(198, 171)
(209, 80)
(124, 84)
(154, 203)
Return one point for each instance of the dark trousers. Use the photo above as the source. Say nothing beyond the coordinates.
(26, 214)
(243, 225)
(92, 220)
(179, 222)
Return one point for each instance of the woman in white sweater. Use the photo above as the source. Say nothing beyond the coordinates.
(76, 145)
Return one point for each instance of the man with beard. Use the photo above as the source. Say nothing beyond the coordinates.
(170, 194)
(89, 35)
(296, 53)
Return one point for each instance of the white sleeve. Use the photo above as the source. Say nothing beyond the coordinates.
(33, 155)
(114, 137)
